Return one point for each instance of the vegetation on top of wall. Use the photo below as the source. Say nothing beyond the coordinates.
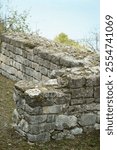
(64, 39)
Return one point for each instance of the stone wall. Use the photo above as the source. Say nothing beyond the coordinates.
(58, 93)
(23, 58)
(58, 108)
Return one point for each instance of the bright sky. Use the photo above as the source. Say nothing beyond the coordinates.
(76, 18)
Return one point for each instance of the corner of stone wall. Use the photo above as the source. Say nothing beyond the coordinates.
(58, 108)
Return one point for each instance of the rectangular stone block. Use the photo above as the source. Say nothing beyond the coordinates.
(82, 92)
(92, 107)
(54, 109)
(77, 101)
(43, 137)
(93, 81)
(19, 58)
(75, 109)
(35, 120)
(18, 51)
(76, 82)
(40, 128)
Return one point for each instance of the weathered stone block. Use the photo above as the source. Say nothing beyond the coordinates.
(77, 101)
(51, 118)
(35, 119)
(43, 137)
(64, 121)
(53, 109)
(24, 85)
(39, 128)
(89, 100)
(18, 51)
(19, 58)
(43, 70)
(75, 109)
(93, 81)
(82, 92)
(33, 93)
(23, 125)
(87, 119)
(75, 82)
(44, 78)
(33, 111)
(92, 107)
(76, 131)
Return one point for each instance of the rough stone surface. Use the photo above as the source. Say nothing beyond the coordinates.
(63, 121)
(57, 95)
(77, 131)
(88, 119)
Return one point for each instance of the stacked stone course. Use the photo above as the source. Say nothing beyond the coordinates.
(21, 59)
(58, 96)
(53, 110)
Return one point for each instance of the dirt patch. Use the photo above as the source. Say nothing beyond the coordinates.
(10, 140)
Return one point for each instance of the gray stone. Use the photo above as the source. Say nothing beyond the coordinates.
(58, 136)
(53, 109)
(64, 121)
(43, 70)
(24, 85)
(92, 106)
(51, 82)
(35, 119)
(36, 75)
(76, 109)
(33, 111)
(57, 73)
(23, 125)
(43, 137)
(51, 118)
(43, 127)
(32, 93)
(75, 82)
(77, 101)
(89, 100)
(76, 131)
(93, 81)
(88, 119)
(82, 92)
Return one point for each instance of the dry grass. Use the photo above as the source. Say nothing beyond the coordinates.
(10, 140)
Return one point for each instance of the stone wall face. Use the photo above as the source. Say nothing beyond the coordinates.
(58, 95)
(55, 111)
(20, 59)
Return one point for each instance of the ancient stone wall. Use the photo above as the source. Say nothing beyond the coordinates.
(58, 95)
(58, 108)
(22, 58)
